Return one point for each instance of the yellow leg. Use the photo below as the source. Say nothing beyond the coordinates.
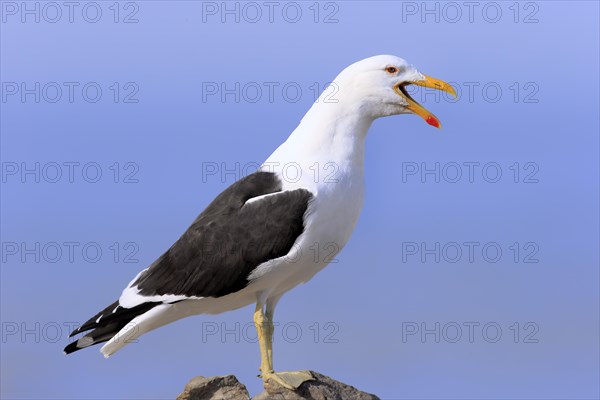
(260, 322)
(264, 327)
(270, 328)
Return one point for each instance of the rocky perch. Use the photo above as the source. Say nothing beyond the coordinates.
(229, 388)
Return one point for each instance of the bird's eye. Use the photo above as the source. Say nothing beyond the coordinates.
(391, 70)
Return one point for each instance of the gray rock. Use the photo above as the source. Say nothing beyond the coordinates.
(229, 388)
(322, 388)
(214, 388)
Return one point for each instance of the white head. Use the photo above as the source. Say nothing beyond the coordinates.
(375, 87)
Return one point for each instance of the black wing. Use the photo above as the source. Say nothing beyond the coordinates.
(229, 239)
(216, 254)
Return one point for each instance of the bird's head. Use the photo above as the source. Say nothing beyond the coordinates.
(377, 85)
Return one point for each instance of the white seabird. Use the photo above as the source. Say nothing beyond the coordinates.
(256, 240)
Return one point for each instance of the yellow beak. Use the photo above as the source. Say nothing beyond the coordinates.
(418, 109)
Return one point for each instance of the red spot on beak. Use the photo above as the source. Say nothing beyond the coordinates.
(433, 121)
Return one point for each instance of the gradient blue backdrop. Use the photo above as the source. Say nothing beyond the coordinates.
(170, 133)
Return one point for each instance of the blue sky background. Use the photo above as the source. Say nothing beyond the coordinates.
(543, 56)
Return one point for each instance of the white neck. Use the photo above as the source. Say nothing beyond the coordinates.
(328, 133)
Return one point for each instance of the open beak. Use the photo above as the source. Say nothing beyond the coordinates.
(418, 109)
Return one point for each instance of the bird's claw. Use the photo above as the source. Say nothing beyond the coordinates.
(289, 379)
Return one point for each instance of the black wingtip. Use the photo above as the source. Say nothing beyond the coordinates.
(75, 332)
(72, 347)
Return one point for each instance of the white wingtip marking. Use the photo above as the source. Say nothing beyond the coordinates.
(84, 342)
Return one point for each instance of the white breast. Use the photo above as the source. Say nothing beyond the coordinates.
(334, 175)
